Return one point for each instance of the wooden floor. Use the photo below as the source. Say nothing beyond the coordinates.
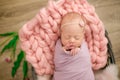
(15, 13)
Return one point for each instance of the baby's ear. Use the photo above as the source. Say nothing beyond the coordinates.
(83, 23)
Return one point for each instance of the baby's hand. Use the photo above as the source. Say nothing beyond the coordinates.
(74, 51)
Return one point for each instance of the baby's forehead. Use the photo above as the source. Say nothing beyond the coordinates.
(71, 30)
(72, 18)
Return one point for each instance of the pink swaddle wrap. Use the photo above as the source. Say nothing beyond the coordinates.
(68, 67)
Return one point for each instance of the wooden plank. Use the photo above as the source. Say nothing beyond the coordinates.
(115, 40)
(101, 3)
(108, 11)
(15, 13)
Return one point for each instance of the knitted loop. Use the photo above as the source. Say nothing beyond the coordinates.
(39, 35)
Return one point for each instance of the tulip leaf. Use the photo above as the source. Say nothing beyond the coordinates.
(17, 63)
(25, 69)
(8, 34)
(11, 44)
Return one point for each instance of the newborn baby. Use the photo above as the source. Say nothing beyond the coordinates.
(72, 59)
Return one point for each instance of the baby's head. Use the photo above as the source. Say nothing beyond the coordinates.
(72, 30)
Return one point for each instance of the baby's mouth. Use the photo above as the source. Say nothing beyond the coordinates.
(70, 47)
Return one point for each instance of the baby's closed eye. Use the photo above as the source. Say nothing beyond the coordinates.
(77, 37)
(67, 36)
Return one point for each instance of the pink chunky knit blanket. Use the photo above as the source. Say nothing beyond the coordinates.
(39, 35)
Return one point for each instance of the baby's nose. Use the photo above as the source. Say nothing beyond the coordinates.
(72, 40)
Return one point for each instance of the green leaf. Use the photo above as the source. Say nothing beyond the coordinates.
(11, 44)
(25, 69)
(17, 63)
(8, 34)
(15, 44)
(20, 56)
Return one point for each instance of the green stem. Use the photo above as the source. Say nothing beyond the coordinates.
(5, 41)
(9, 37)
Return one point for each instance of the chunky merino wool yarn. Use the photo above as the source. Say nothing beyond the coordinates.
(39, 35)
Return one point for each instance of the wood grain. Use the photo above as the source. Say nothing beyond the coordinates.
(15, 13)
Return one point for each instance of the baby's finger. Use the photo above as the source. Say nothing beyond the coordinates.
(73, 52)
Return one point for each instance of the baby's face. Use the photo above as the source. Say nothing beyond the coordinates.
(72, 35)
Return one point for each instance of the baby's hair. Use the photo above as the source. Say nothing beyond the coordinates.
(73, 18)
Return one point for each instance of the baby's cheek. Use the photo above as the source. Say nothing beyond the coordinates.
(79, 43)
(64, 42)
